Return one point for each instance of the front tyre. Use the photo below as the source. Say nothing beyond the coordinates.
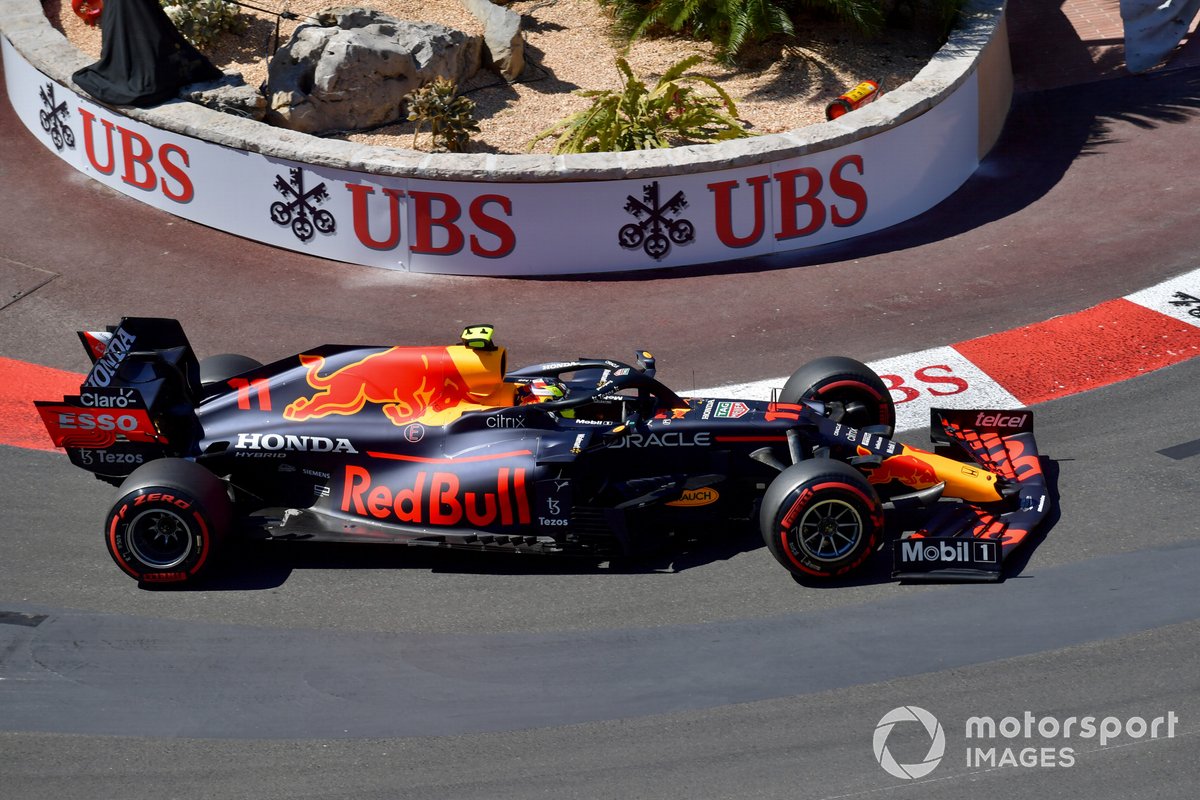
(169, 521)
(850, 390)
(821, 519)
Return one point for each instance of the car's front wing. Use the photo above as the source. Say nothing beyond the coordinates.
(966, 541)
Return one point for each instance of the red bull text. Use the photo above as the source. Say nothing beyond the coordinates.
(437, 498)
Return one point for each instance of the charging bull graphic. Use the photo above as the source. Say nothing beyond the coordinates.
(908, 470)
(407, 382)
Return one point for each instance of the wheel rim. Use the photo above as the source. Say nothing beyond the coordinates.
(829, 529)
(160, 538)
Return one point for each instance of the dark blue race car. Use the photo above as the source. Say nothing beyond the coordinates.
(445, 446)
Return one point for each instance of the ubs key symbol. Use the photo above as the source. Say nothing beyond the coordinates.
(54, 119)
(301, 206)
(656, 230)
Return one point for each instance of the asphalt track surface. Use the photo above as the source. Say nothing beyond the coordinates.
(355, 672)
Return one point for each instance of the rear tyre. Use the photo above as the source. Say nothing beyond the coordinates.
(851, 391)
(218, 369)
(169, 521)
(821, 519)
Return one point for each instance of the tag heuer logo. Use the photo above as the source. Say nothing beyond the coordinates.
(726, 410)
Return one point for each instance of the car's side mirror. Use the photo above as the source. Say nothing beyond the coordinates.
(632, 419)
(645, 362)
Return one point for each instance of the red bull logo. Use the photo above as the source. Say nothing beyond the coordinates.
(911, 471)
(437, 498)
(406, 382)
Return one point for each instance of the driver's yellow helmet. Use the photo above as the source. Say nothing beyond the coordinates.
(547, 390)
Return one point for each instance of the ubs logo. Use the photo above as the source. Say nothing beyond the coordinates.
(658, 225)
(299, 206)
(54, 119)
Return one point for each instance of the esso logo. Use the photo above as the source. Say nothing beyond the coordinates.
(87, 421)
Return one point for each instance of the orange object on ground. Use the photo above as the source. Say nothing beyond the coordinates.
(857, 97)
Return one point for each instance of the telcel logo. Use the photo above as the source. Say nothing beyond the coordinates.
(1000, 420)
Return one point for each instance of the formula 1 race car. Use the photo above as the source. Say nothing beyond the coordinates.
(443, 446)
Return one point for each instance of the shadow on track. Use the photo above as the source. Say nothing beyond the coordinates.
(1020, 559)
(249, 565)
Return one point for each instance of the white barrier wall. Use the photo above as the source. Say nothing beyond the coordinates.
(486, 227)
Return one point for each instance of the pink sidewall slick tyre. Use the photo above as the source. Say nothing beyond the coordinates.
(168, 522)
(821, 519)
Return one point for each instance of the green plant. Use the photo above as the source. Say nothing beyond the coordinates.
(945, 15)
(449, 116)
(866, 15)
(634, 118)
(202, 21)
(733, 24)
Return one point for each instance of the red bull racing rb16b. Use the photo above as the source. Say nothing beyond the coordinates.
(445, 446)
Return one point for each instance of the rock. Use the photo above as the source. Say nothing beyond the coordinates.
(501, 35)
(352, 69)
(228, 94)
(1153, 29)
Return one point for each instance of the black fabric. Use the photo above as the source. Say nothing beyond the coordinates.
(144, 60)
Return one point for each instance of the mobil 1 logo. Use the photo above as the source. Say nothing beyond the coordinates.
(934, 554)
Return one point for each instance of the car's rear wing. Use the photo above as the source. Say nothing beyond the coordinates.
(966, 541)
(136, 403)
